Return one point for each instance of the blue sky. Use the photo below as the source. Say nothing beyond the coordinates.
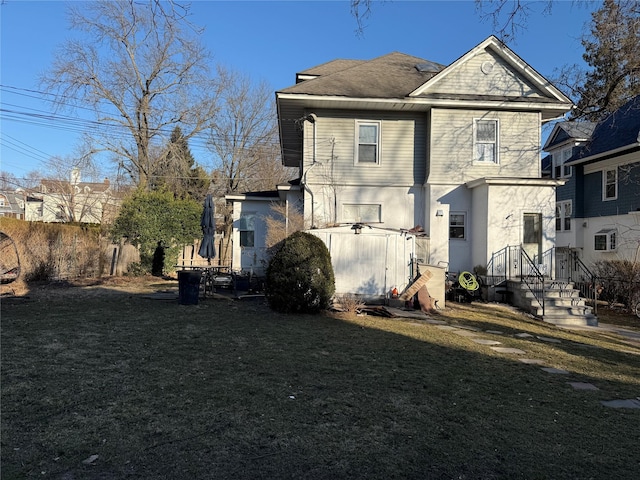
(270, 41)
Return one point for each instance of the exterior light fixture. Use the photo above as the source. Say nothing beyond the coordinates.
(439, 213)
(357, 228)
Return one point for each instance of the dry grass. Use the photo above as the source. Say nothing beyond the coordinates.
(49, 250)
(228, 389)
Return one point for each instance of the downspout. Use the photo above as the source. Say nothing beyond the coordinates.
(311, 118)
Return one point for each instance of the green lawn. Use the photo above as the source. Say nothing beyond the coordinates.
(229, 389)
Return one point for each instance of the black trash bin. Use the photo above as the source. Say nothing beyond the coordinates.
(189, 286)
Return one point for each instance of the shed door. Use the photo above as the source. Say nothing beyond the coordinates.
(360, 261)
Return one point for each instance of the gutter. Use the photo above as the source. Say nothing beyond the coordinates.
(604, 154)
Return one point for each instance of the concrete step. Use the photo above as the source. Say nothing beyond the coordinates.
(589, 320)
(569, 294)
(564, 302)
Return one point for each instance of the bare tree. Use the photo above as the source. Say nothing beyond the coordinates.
(507, 16)
(141, 68)
(244, 140)
(67, 196)
(282, 222)
(8, 181)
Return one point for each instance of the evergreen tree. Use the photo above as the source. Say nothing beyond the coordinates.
(178, 172)
(612, 50)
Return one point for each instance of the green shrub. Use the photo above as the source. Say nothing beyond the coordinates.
(299, 275)
(147, 218)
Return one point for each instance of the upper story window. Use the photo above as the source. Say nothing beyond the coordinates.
(357, 213)
(368, 142)
(563, 216)
(457, 224)
(610, 184)
(485, 141)
(561, 170)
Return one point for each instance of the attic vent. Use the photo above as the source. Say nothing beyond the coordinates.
(428, 67)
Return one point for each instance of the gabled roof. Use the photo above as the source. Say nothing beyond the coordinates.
(64, 186)
(616, 134)
(565, 132)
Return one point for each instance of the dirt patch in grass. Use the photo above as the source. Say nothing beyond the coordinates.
(229, 389)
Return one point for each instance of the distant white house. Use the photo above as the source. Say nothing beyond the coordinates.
(12, 204)
(72, 200)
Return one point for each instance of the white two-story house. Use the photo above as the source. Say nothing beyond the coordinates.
(402, 143)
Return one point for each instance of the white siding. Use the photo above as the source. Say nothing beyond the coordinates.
(400, 207)
(250, 258)
(498, 212)
(500, 80)
(402, 149)
(451, 147)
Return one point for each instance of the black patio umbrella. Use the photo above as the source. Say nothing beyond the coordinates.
(208, 223)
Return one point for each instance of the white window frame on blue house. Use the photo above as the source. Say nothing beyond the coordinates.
(607, 182)
(560, 170)
(564, 210)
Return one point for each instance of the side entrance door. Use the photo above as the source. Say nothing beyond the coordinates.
(532, 236)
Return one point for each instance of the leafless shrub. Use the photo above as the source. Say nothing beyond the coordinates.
(618, 279)
(282, 223)
(349, 303)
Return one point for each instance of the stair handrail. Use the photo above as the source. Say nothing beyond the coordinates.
(590, 290)
(497, 268)
(533, 279)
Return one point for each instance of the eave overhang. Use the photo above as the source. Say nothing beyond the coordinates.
(516, 182)
(609, 153)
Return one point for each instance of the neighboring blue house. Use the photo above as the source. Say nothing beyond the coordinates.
(598, 208)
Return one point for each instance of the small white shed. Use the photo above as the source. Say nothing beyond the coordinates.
(374, 261)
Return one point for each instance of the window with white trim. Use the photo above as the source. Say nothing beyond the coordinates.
(485, 141)
(610, 184)
(457, 225)
(605, 240)
(563, 216)
(367, 143)
(362, 213)
(246, 226)
(560, 170)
